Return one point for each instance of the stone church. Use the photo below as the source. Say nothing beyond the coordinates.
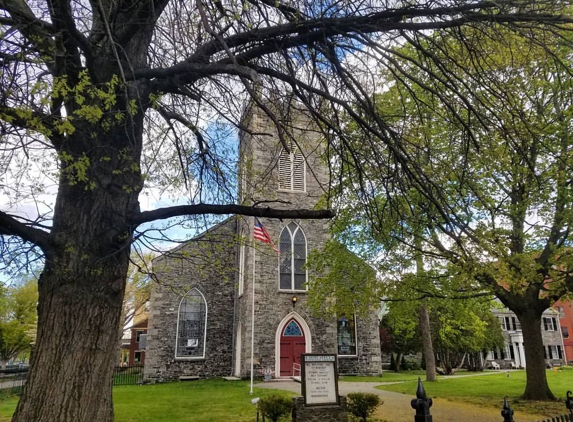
(201, 314)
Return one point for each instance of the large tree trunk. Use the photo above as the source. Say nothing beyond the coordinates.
(427, 346)
(536, 387)
(71, 374)
(82, 286)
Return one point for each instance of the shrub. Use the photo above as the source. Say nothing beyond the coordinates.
(274, 406)
(363, 405)
(413, 363)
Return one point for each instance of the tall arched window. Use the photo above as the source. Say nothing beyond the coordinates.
(346, 336)
(191, 326)
(292, 258)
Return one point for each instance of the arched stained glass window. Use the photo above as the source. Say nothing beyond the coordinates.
(292, 258)
(346, 336)
(191, 326)
(292, 329)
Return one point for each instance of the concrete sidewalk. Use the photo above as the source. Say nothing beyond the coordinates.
(397, 408)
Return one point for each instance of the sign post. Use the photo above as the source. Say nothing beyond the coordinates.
(320, 400)
(319, 379)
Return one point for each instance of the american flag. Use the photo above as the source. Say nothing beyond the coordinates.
(262, 234)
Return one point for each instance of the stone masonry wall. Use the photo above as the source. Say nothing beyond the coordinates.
(368, 360)
(272, 305)
(207, 263)
(334, 413)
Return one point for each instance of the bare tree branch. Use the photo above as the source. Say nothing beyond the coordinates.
(10, 226)
(268, 212)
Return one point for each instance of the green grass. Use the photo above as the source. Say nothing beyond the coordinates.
(199, 401)
(489, 390)
(7, 407)
(387, 376)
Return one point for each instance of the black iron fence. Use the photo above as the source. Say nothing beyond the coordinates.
(422, 405)
(128, 375)
(12, 381)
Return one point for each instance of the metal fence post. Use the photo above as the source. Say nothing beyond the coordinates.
(569, 403)
(507, 411)
(422, 404)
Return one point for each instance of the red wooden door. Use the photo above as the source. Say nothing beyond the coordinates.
(293, 344)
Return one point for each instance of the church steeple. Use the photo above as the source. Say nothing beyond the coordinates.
(287, 169)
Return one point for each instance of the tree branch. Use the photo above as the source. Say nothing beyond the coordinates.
(195, 70)
(438, 296)
(32, 120)
(247, 45)
(38, 32)
(177, 211)
(10, 226)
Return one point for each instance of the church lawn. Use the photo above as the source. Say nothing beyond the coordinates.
(489, 390)
(387, 376)
(197, 401)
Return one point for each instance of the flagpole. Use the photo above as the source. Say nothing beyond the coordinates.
(253, 320)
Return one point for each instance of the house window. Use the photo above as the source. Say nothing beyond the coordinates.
(292, 170)
(561, 311)
(138, 335)
(549, 324)
(191, 326)
(513, 324)
(292, 258)
(552, 352)
(503, 326)
(347, 336)
(565, 332)
(137, 357)
(241, 269)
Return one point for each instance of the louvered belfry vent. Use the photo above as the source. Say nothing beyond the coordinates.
(292, 170)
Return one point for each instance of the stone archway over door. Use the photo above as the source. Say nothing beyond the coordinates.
(292, 346)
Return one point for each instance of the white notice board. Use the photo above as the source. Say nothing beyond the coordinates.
(319, 379)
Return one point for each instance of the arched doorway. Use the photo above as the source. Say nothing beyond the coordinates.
(292, 346)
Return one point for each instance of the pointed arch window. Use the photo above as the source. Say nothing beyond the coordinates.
(292, 329)
(292, 258)
(346, 332)
(191, 326)
(292, 170)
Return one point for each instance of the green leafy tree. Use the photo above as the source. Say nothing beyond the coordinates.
(485, 128)
(108, 101)
(342, 283)
(462, 328)
(458, 328)
(403, 330)
(137, 290)
(18, 321)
